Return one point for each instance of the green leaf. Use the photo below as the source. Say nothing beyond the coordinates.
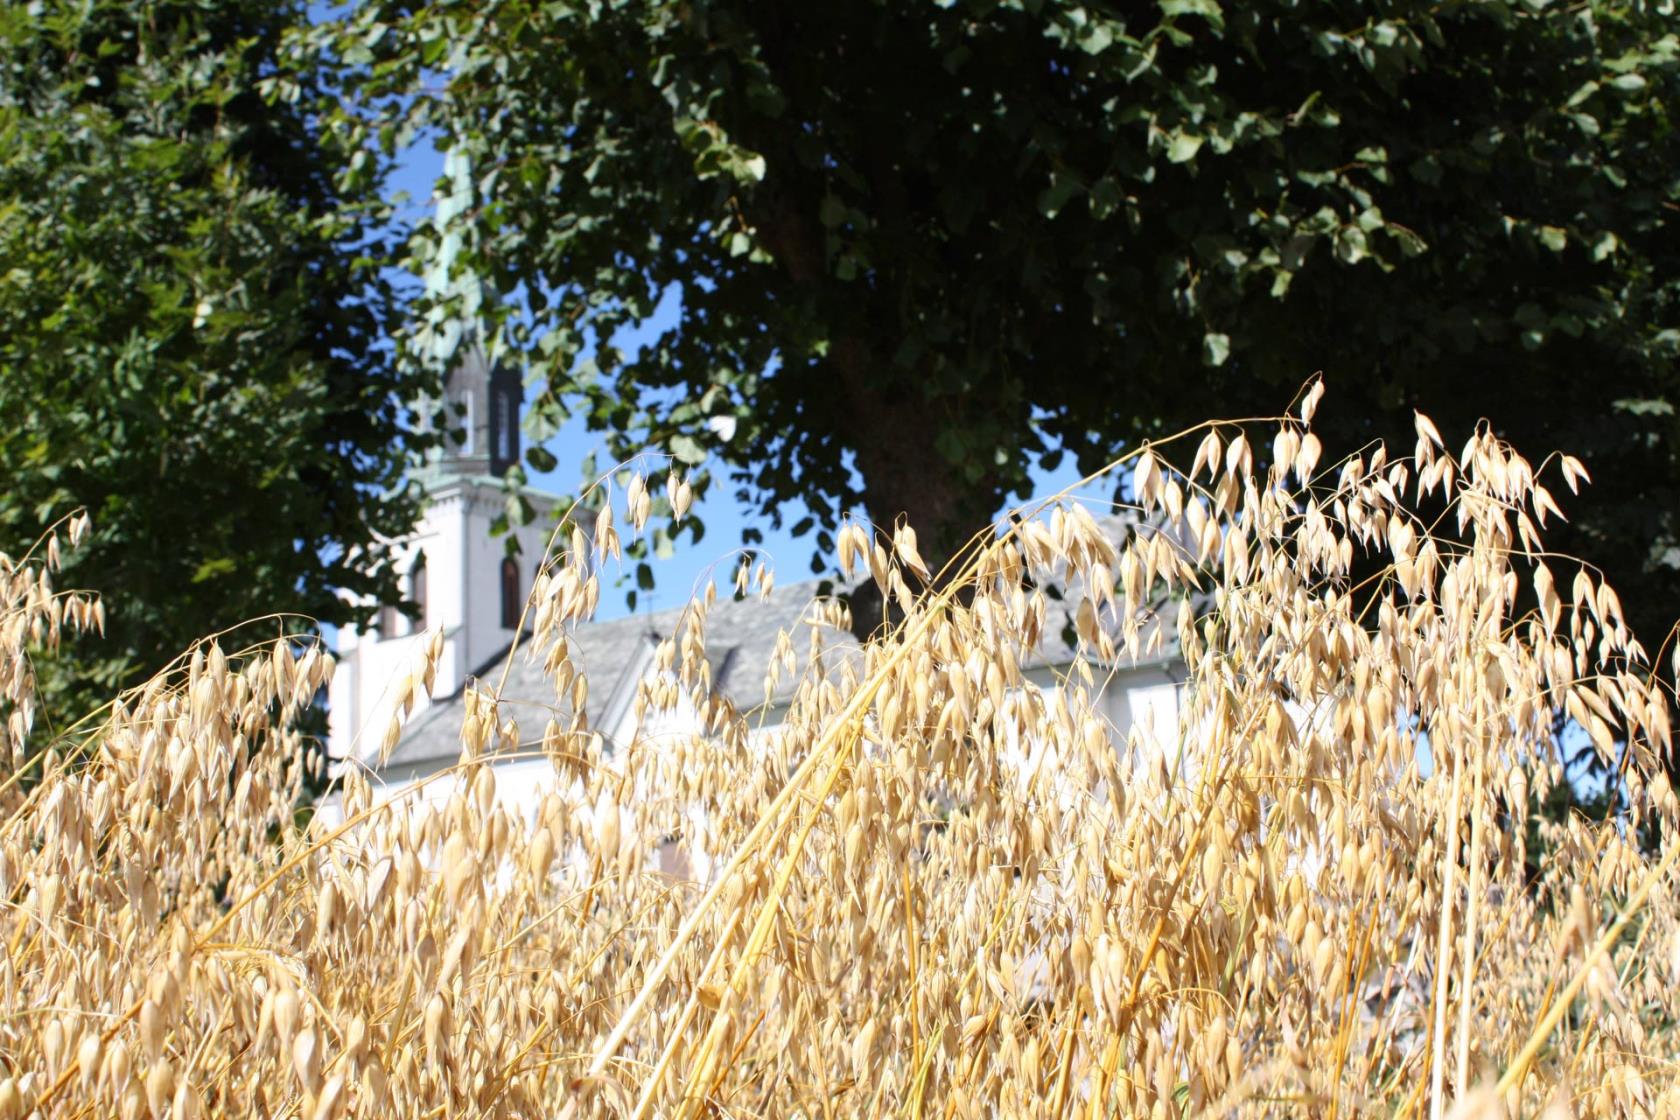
(1216, 347)
(1426, 170)
(1206, 9)
(1105, 197)
(518, 509)
(686, 449)
(1351, 244)
(1063, 186)
(1098, 37)
(1644, 407)
(210, 569)
(949, 443)
(541, 458)
(1183, 146)
(1410, 243)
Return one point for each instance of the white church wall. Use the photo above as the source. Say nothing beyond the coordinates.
(371, 665)
(342, 703)
(463, 599)
(1146, 699)
(481, 553)
(1148, 694)
(439, 534)
(521, 785)
(374, 673)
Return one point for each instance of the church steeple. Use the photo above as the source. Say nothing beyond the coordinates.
(470, 588)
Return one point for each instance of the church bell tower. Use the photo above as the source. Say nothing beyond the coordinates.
(458, 578)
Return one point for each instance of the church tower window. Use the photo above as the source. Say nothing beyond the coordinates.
(506, 395)
(417, 592)
(512, 600)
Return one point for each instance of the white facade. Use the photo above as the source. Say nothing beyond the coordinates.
(466, 584)
(474, 604)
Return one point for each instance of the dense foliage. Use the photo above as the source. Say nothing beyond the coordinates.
(922, 247)
(190, 327)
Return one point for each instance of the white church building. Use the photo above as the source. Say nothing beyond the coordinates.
(460, 578)
(467, 587)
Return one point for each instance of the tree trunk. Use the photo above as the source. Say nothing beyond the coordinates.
(907, 478)
(892, 428)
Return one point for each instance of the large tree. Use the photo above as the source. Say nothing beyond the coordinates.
(191, 325)
(923, 246)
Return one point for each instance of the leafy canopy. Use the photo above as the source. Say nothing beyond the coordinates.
(922, 247)
(190, 327)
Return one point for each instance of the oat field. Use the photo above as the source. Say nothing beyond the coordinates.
(1335, 899)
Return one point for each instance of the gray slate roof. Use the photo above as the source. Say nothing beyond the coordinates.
(614, 655)
(740, 646)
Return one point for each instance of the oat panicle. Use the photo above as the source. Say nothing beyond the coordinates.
(940, 887)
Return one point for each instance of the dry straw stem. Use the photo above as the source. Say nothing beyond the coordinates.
(836, 745)
(955, 880)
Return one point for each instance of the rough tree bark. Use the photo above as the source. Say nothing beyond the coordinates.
(890, 428)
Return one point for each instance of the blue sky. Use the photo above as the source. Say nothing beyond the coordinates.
(678, 577)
